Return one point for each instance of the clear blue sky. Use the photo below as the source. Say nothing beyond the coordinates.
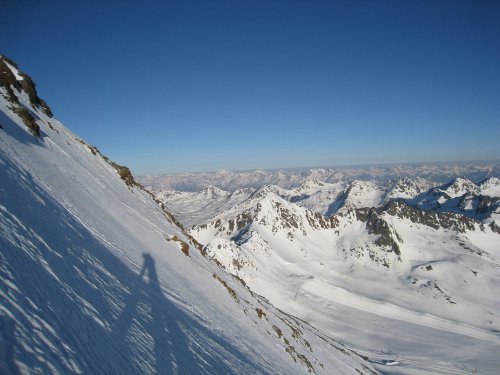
(170, 86)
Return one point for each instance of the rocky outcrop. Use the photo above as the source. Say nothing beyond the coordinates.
(429, 218)
(387, 238)
(486, 204)
(9, 81)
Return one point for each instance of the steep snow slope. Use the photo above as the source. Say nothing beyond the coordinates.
(97, 278)
(396, 281)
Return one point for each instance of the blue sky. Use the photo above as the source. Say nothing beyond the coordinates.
(165, 86)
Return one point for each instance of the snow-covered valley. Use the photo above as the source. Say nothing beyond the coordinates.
(374, 264)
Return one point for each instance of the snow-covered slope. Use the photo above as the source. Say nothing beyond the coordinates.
(317, 195)
(359, 194)
(198, 207)
(97, 278)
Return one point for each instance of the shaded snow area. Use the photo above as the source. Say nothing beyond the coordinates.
(96, 278)
(413, 288)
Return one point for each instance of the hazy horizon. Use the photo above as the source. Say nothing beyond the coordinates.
(201, 86)
(339, 166)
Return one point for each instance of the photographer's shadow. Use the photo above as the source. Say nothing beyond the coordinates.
(174, 335)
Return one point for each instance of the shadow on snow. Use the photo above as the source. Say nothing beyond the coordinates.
(69, 304)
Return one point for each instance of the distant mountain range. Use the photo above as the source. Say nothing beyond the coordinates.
(292, 178)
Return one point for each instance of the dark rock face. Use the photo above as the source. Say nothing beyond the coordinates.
(288, 219)
(125, 174)
(240, 222)
(318, 221)
(9, 81)
(375, 224)
(390, 239)
(486, 204)
(28, 120)
(432, 219)
(28, 86)
(495, 228)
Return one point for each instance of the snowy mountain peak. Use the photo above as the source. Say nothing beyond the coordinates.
(268, 189)
(460, 186)
(278, 214)
(490, 186)
(359, 194)
(244, 191)
(406, 188)
(308, 185)
(360, 187)
(212, 191)
(490, 181)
